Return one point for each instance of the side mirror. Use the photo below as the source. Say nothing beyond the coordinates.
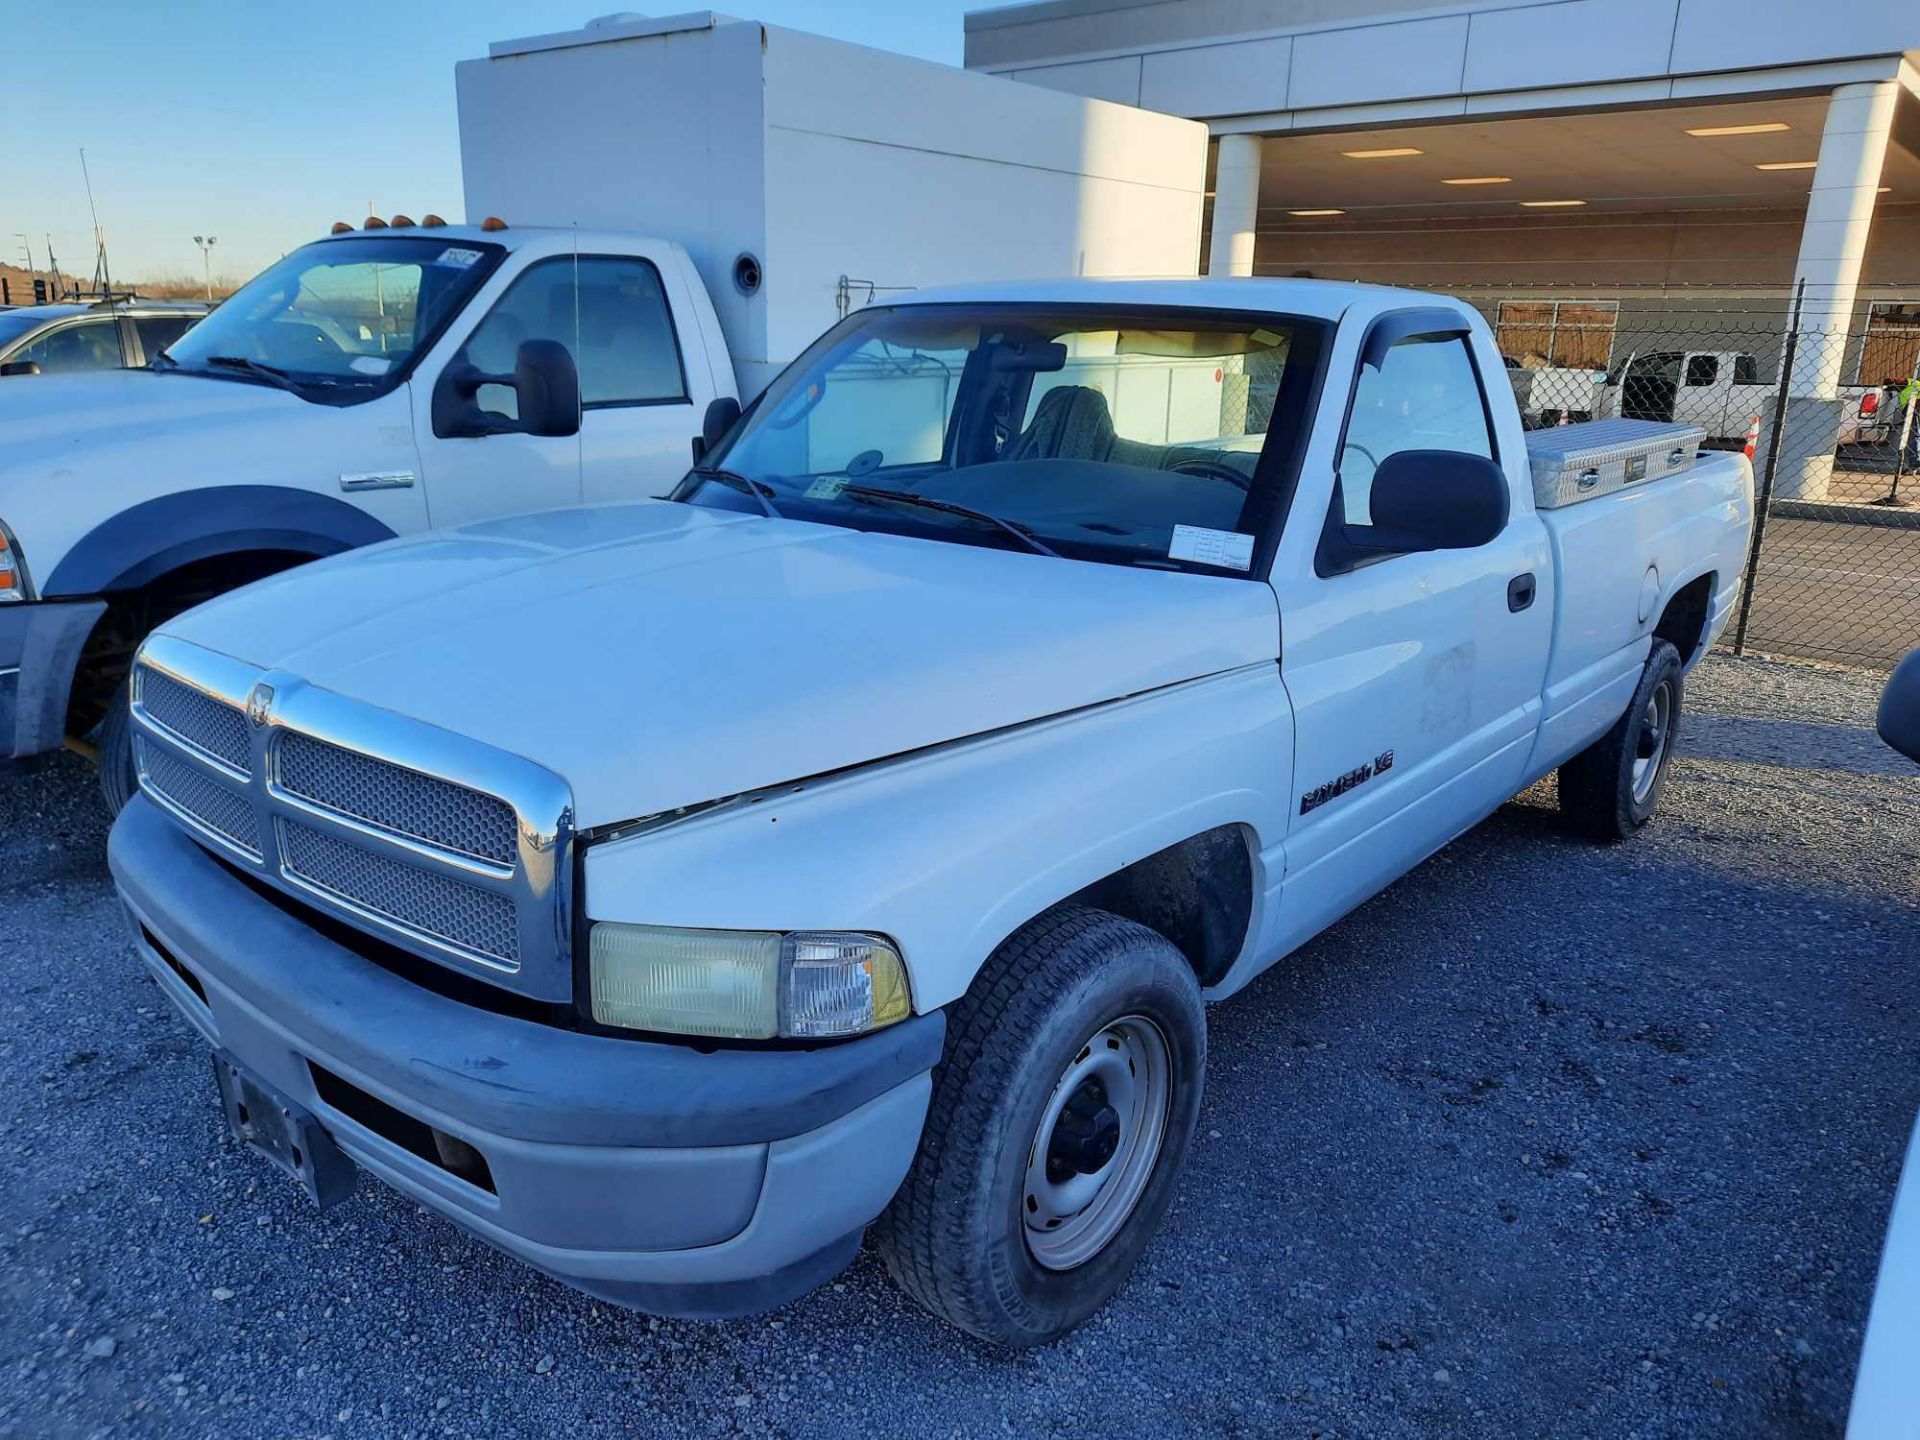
(1423, 500)
(1899, 720)
(545, 384)
(719, 419)
(20, 367)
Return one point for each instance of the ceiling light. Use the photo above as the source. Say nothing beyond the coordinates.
(1480, 180)
(1391, 154)
(1787, 165)
(1309, 214)
(1770, 127)
(1550, 204)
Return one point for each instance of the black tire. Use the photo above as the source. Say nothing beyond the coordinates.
(114, 736)
(1600, 794)
(956, 1237)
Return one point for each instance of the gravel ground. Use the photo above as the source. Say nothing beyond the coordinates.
(1550, 1139)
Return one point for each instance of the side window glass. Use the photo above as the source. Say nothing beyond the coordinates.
(89, 345)
(1745, 370)
(614, 320)
(159, 331)
(1426, 396)
(1703, 369)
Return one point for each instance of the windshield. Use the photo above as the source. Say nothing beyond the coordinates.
(340, 315)
(1124, 435)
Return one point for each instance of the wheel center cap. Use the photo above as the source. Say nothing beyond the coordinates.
(1085, 1136)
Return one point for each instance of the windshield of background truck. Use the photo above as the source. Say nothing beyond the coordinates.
(341, 313)
(1128, 436)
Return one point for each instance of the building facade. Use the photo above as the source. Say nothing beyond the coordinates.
(1575, 163)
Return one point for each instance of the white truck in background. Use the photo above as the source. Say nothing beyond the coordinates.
(1725, 393)
(665, 210)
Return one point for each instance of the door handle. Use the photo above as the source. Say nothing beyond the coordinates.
(1520, 592)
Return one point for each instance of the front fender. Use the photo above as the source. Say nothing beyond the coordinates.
(950, 850)
(147, 540)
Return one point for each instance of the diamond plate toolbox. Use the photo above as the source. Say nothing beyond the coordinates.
(1572, 463)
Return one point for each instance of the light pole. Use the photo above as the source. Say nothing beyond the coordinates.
(206, 244)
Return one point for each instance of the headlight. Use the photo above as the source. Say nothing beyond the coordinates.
(13, 570)
(745, 984)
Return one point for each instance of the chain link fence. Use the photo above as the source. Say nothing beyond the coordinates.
(1821, 396)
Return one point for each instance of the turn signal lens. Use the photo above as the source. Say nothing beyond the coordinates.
(745, 984)
(842, 984)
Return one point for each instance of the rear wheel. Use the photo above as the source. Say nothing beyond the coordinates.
(1060, 1121)
(1610, 789)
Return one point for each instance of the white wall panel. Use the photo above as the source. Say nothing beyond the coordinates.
(1574, 43)
(1234, 79)
(1378, 62)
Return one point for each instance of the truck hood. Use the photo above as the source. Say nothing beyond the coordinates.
(659, 655)
(49, 414)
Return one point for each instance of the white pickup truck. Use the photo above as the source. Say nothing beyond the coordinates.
(666, 892)
(1724, 392)
(330, 403)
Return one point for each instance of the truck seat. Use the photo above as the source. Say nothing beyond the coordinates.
(1072, 422)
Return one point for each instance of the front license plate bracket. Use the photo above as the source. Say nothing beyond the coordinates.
(263, 1119)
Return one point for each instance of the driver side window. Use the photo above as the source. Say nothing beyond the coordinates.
(1425, 396)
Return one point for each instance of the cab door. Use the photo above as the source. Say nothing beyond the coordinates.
(614, 315)
(1415, 678)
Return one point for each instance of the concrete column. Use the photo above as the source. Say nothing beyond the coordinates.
(1236, 205)
(1833, 243)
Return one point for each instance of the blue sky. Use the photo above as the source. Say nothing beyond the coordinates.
(263, 123)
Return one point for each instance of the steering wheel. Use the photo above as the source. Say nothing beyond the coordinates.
(1213, 470)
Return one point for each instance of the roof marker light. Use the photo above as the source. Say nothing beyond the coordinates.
(341, 227)
(401, 222)
(374, 222)
(430, 221)
(493, 222)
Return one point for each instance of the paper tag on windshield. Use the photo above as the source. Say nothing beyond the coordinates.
(370, 364)
(458, 258)
(1228, 549)
(827, 487)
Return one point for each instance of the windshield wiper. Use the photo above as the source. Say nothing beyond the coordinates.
(740, 482)
(272, 374)
(907, 497)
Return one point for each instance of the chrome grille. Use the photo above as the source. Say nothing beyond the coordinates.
(397, 799)
(446, 909)
(227, 813)
(207, 724)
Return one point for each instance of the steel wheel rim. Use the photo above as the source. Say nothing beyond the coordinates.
(1653, 741)
(1068, 1220)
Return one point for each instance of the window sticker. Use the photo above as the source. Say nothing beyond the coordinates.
(1228, 549)
(457, 257)
(370, 364)
(827, 487)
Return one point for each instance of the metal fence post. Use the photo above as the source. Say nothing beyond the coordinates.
(1764, 498)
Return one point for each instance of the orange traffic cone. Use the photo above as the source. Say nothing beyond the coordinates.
(1753, 437)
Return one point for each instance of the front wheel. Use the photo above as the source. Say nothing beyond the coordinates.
(1610, 789)
(114, 737)
(1059, 1124)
